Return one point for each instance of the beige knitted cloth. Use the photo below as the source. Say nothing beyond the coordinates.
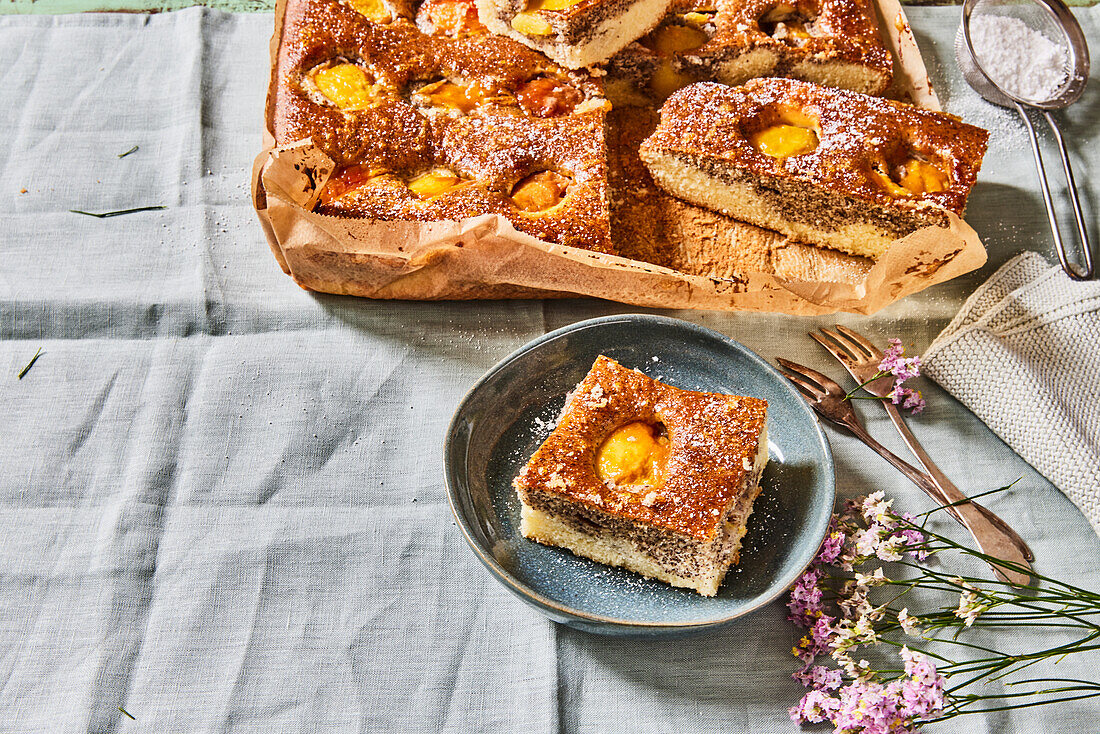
(1024, 355)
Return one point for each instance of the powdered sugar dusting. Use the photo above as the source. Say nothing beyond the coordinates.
(1018, 58)
(1006, 130)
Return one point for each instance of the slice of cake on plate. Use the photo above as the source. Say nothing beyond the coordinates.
(824, 166)
(649, 477)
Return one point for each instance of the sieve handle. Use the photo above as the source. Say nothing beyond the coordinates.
(1082, 233)
(1086, 255)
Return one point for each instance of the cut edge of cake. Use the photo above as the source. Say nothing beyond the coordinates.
(578, 42)
(839, 191)
(742, 197)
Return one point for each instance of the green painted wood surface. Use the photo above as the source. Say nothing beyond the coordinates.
(146, 6)
(43, 7)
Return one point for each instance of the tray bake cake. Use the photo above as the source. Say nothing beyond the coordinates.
(394, 127)
(428, 117)
(824, 166)
(835, 43)
(648, 477)
(574, 33)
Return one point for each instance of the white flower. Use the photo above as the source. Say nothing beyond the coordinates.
(891, 549)
(853, 600)
(849, 635)
(878, 578)
(867, 541)
(909, 623)
(865, 629)
(970, 606)
(876, 508)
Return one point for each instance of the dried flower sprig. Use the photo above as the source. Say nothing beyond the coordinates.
(902, 368)
(119, 212)
(832, 600)
(23, 372)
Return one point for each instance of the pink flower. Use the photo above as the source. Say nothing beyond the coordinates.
(831, 548)
(895, 363)
(922, 692)
(818, 641)
(869, 708)
(912, 536)
(907, 398)
(903, 369)
(805, 604)
(815, 707)
(819, 677)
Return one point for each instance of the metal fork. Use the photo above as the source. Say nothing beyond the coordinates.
(827, 398)
(862, 358)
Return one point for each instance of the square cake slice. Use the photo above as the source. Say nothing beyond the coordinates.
(647, 477)
(574, 33)
(831, 42)
(823, 166)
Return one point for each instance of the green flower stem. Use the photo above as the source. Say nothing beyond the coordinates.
(1013, 706)
(878, 376)
(1078, 591)
(970, 498)
(981, 593)
(995, 665)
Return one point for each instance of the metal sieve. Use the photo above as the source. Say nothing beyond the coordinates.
(1053, 19)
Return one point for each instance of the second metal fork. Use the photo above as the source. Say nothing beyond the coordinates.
(828, 399)
(862, 358)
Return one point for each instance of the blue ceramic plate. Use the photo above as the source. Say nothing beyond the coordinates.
(508, 414)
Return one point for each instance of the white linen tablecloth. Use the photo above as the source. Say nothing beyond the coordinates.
(221, 501)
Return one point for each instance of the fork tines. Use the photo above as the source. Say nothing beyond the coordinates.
(809, 381)
(853, 346)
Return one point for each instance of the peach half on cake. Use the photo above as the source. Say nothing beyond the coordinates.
(648, 477)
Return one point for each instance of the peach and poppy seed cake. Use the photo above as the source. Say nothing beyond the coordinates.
(648, 477)
(428, 117)
(824, 166)
(835, 43)
(574, 33)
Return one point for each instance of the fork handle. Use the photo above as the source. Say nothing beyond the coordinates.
(914, 475)
(950, 492)
(991, 539)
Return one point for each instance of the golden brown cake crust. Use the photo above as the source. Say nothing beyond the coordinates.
(494, 146)
(713, 438)
(572, 25)
(650, 225)
(843, 31)
(709, 123)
